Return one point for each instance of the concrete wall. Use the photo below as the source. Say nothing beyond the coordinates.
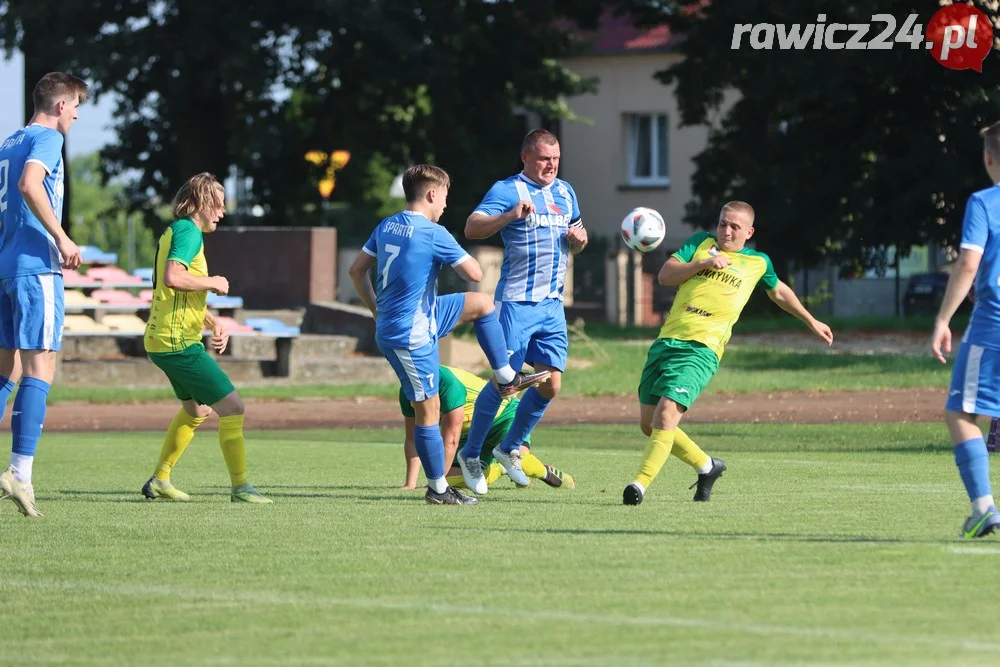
(275, 267)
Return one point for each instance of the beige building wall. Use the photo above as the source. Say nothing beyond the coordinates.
(595, 149)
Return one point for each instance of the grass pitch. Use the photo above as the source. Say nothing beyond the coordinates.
(822, 545)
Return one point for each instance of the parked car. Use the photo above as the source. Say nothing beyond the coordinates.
(924, 293)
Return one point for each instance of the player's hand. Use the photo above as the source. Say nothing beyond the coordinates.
(220, 285)
(577, 238)
(70, 252)
(521, 210)
(220, 338)
(823, 331)
(720, 261)
(941, 340)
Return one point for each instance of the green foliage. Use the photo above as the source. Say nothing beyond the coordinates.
(205, 85)
(100, 218)
(839, 151)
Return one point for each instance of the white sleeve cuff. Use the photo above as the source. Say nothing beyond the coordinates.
(368, 252)
(972, 246)
(461, 259)
(48, 171)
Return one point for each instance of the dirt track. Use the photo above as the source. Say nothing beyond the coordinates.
(803, 407)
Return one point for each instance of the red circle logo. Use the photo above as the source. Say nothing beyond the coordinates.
(959, 36)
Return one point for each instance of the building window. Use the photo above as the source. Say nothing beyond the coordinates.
(647, 149)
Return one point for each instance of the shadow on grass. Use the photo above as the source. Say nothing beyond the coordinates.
(728, 537)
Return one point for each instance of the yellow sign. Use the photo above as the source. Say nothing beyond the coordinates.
(333, 162)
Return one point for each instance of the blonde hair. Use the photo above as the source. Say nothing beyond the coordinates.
(54, 86)
(418, 179)
(991, 139)
(198, 193)
(737, 206)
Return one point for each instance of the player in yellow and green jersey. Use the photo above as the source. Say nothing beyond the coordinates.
(459, 390)
(715, 275)
(173, 341)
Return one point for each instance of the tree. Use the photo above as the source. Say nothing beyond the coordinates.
(202, 86)
(843, 153)
(100, 219)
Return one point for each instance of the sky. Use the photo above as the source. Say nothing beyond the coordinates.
(89, 132)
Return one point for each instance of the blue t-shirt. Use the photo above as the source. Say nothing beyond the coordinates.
(411, 251)
(981, 233)
(535, 251)
(26, 248)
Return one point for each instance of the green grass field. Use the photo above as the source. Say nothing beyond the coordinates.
(823, 545)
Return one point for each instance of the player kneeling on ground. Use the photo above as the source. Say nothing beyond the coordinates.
(715, 276)
(458, 391)
(173, 341)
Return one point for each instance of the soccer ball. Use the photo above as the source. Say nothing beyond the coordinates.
(643, 229)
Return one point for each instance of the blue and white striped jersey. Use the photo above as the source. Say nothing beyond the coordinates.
(981, 232)
(411, 251)
(26, 248)
(535, 248)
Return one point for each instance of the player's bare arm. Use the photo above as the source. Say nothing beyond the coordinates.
(577, 238)
(470, 269)
(220, 337)
(451, 431)
(177, 277)
(32, 187)
(482, 226)
(675, 271)
(363, 263)
(960, 281)
(410, 452)
(785, 297)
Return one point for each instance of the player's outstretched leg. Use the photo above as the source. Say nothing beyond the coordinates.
(234, 449)
(709, 468)
(179, 436)
(27, 418)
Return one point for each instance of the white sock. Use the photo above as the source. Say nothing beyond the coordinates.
(642, 489)
(505, 374)
(439, 485)
(981, 504)
(22, 467)
(707, 468)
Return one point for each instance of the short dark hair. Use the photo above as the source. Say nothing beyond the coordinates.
(539, 136)
(419, 177)
(55, 85)
(991, 139)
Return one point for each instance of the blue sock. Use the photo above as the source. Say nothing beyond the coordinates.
(486, 408)
(430, 449)
(489, 333)
(29, 415)
(528, 414)
(6, 390)
(973, 463)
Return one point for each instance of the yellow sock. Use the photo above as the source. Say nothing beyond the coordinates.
(493, 473)
(234, 447)
(657, 451)
(179, 436)
(532, 467)
(687, 451)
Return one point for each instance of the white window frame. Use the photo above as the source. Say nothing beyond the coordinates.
(632, 134)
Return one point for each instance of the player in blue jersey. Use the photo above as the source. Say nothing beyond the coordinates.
(33, 250)
(409, 249)
(538, 218)
(975, 381)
